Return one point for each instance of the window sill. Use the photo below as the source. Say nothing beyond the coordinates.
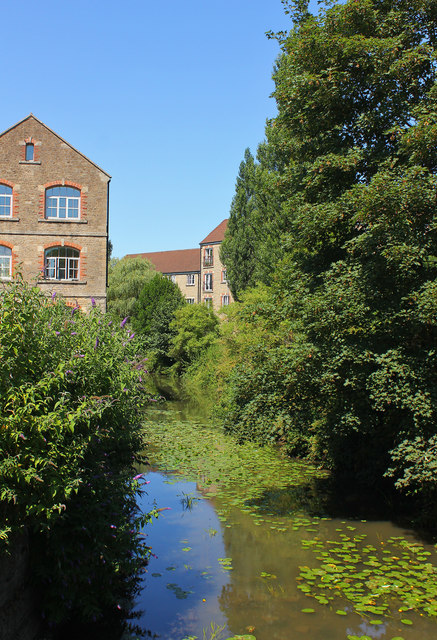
(190, 284)
(9, 219)
(63, 220)
(30, 161)
(52, 282)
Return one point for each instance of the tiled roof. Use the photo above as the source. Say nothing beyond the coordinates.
(179, 261)
(217, 234)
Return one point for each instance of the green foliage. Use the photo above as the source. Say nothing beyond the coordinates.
(70, 390)
(126, 279)
(250, 249)
(158, 301)
(346, 368)
(195, 327)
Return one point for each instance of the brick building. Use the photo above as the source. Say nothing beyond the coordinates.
(200, 275)
(53, 214)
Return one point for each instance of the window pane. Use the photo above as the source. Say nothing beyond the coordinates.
(29, 151)
(5, 189)
(5, 267)
(5, 251)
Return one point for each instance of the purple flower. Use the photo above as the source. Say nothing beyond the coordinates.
(23, 436)
(140, 475)
(53, 295)
(73, 311)
(131, 336)
(97, 343)
(74, 333)
(57, 333)
(69, 371)
(93, 302)
(123, 322)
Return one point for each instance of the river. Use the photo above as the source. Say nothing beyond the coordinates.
(278, 565)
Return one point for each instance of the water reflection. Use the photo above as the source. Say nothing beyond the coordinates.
(187, 586)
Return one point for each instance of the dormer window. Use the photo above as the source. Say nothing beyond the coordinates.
(30, 150)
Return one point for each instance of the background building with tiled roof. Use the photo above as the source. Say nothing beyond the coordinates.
(181, 266)
(200, 275)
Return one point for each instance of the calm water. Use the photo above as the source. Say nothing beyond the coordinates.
(239, 571)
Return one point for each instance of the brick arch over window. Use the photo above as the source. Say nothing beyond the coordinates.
(76, 254)
(83, 206)
(8, 210)
(36, 147)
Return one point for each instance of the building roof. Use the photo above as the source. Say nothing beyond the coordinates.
(217, 234)
(58, 136)
(179, 261)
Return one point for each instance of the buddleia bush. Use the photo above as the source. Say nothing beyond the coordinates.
(71, 397)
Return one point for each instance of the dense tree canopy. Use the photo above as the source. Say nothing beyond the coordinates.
(351, 155)
(154, 312)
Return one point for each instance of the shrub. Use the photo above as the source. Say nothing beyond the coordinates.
(70, 392)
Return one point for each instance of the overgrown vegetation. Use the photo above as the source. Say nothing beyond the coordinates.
(334, 356)
(71, 389)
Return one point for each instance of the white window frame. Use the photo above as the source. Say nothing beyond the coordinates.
(6, 264)
(7, 202)
(190, 300)
(225, 300)
(55, 204)
(190, 279)
(57, 265)
(208, 257)
(208, 302)
(208, 282)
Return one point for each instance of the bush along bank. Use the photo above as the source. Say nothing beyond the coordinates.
(71, 396)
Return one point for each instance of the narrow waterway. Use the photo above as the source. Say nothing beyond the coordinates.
(277, 571)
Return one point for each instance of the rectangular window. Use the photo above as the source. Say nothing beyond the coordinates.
(190, 300)
(29, 152)
(208, 302)
(207, 282)
(208, 257)
(5, 201)
(225, 301)
(224, 277)
(190, 279)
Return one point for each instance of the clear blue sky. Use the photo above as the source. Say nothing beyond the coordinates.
(164, 96)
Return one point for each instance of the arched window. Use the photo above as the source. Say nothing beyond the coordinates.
(62, 203)
(5, 201)
(5, 262)
(61, 263)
